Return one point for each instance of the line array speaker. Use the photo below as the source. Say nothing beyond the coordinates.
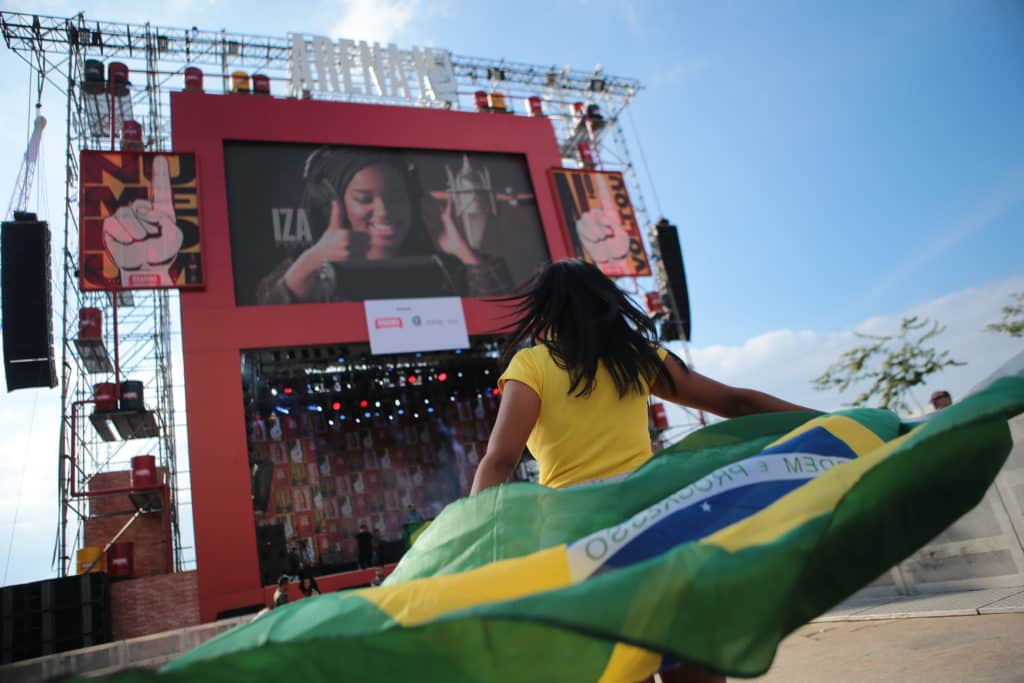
(671, 277)
(26, 303)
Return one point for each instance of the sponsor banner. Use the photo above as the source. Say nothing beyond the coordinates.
(595, 210)
(139, 221)
(410, 325)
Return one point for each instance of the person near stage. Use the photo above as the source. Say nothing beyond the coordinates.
(366, 205)
(308, 586)
(578, 395)
(941, 399)
(281, 594)
(364, 540)
(413, 516)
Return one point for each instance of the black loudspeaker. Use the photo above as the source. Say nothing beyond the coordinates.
(26, 302)
(56, 615)
(273, 553)
(132, 396)
(671, 278)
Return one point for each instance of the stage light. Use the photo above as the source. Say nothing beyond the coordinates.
(442, 376)
(495, 392)
(427, 401)
(273, 392)
(411, 379)
(336, 405)
(364, 403)
(401, 411)
(330, 423)
(282, 410)
(367, 414)
(397, 402)
(377, 404)
(430, 409)
(288, 391)
(416, 415)
(315, 408)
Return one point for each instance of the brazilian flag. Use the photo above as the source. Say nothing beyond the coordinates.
(710, 554)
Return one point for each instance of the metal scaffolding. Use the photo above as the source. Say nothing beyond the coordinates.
(57, 48)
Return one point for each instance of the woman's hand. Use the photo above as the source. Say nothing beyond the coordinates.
(336, 244)
(451, 240)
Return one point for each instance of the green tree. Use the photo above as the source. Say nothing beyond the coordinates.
(1013, 317)
(891, 365)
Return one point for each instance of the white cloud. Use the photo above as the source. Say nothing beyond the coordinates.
(375, 20)
(783, 362)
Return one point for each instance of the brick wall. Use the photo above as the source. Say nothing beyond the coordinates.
(107, 514)
(152, 604)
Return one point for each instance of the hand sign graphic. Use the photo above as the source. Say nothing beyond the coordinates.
(143, 238)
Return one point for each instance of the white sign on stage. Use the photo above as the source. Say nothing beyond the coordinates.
(404, 325)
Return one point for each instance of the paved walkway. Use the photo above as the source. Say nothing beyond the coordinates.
(969, 636)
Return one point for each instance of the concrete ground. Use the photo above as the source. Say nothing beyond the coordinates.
(935, 649)
(968, 636)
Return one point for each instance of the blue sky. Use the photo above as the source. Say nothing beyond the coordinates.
(831, 167)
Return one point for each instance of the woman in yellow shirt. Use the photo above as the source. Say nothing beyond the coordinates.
(578, 397)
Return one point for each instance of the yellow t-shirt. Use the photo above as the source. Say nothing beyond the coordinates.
(580, 439)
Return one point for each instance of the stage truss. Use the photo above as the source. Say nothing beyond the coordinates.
(56, 48)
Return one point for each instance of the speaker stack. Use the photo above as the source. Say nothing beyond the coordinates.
(671, 279)
(26, 303)
(273, 552)
(46, 617)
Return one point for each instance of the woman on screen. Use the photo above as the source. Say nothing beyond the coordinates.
(367, 209)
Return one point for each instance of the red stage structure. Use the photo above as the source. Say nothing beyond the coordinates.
(215, 330)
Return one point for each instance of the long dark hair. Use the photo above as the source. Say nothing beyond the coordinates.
(585, 319)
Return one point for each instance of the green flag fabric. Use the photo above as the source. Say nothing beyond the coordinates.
(710, 554)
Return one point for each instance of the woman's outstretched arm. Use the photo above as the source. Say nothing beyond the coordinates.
(517, 413)
(697, 391)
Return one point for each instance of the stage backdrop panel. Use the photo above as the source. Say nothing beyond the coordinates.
(408, 223)
(139, 221)
(595, 210)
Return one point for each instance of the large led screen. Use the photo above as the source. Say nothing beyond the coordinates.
(320, 224)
